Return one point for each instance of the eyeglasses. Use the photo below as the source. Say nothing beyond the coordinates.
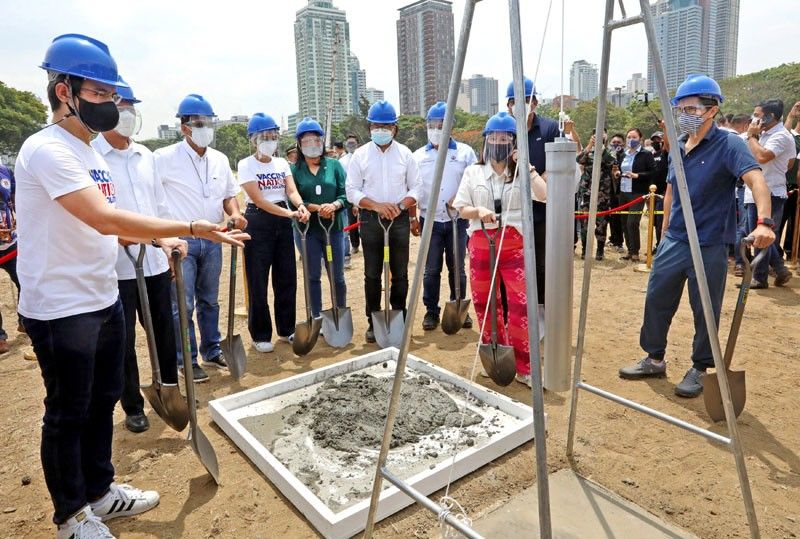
(695, 110)
(102, 95)
(200, 123)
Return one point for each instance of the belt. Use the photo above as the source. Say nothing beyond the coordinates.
(376, 214)
(253, 207)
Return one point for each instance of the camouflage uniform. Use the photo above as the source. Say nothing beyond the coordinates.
(586, 160)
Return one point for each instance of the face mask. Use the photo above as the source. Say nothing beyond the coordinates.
(498, 152)
(351, 147)
(689, 123)
(127, 123)
(657, 146)
(312, 151)
(267, 147)
(435, 136)
(97, 117)
(633, 144)
(381, 137)
(202, 136)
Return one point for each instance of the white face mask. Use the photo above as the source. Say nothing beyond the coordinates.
(312, 151)
(435, 136)
(267, 147)
(127, 123)
(202, 136)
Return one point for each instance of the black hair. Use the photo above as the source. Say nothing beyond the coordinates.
(740, 119)
(772, 106)
(352, 135)
(75, 87)
(511, 164)
(729, 117)
(339, 144)
(618, 135)
(633, 129)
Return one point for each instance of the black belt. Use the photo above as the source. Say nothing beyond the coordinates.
(376, 214)
(253, 207)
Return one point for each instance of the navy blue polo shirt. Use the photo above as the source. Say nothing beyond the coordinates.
(542, 130)
(712, 168)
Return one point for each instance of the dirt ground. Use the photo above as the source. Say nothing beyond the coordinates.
(677, 476)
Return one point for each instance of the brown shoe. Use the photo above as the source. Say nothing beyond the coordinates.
(4, 346)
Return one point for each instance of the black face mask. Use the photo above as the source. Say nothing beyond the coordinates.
(97, 117)
(657, 146)
(498, 152)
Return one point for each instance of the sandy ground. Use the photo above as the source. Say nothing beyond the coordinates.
(675, 475)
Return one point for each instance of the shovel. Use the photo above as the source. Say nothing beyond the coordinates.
(307, 331)
(232, 347)
(165, 399)
(497, 359)
(388, 324)
(200, 443)
(337, 322)
(455, 311)
(736, 381)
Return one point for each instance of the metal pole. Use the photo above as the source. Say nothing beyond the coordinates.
(523, 164)
(587, 264)
(700, 272)
(427, 230)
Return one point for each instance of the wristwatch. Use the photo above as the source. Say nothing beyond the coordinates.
(766, 221)
(413, 218)
(402, 206)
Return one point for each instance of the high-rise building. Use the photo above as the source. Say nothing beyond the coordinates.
(358, 83)
(482, 95)
(637, 84)
(462, 103)
(292, 121)
(373, 94)
(695, 36)
(425, 54)
(583, 80)
(322, 36)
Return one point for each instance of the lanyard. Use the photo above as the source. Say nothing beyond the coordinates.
(203, 183)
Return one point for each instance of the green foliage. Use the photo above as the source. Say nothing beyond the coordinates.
(154, 144)
(233, 142)
(21, 115)
(746, 91)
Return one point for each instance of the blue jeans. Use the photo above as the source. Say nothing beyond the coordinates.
(201, 271)
(442, 244)
(672, 267)
(741, 225)
(81, 359)
(774, 258)
(315, 245)
(342, 216)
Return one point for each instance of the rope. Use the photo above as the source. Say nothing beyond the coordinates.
(5, 258)
(541, 47)
(447, 503)
(355, 225)
(657, 212)
(562, 117)
(618, 208)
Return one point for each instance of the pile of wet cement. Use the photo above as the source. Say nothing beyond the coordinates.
(348, 414)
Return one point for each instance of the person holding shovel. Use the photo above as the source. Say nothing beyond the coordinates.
(489, 196)
(68, 230)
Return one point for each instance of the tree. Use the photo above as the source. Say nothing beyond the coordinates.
(154, 144)
(232, 140)
(21, 115)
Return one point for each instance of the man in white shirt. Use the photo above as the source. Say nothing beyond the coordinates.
(68, 229)
(137, 190)
(352, 238)
(199, 184)
(383, 182)
(459, 157)
(773, 147)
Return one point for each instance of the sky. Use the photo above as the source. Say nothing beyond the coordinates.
(240, 54)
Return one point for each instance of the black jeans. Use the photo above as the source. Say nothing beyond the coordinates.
(372, 242)
(616, 236)
(11, 268)
(630, 223)
(270, 249)
(354, 234)
(81, 360)
(158, 288)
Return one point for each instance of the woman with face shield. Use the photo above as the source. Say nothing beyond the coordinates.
(320, 182)
(490, 197)
(268, 185)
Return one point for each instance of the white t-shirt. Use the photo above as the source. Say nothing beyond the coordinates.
(195, 185)
(65, 267)
(271, 177)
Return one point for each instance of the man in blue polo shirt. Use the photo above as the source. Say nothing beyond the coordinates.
(713, 160)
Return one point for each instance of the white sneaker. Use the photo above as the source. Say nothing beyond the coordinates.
(288, 339)
(123, 501)
(524, 379)
(264, 346)
(84, 525)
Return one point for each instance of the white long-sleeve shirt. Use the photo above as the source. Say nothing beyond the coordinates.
(459, 157)
(382, 176)
(779, 141)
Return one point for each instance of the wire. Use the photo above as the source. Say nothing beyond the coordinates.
(562, 117)
(541, 48)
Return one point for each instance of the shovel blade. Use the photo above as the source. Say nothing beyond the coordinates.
(153, 396)
(391, 334)
(498, 362)
(453, 316)
(233, 350)
(305, 336)
(342, 335)
(713, 397)
(175, 405)
(204, 451)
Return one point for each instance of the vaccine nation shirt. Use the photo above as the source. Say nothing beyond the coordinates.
(269, 177)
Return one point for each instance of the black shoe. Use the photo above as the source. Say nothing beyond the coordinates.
(600, 253)
(217, 361)
(137, 423)
(370, 336)
(430, 322)
(467, 323)
(198, 374)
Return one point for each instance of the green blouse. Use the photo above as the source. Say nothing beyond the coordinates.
(326, 186)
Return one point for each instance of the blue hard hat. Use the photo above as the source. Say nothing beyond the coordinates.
(436, 112)
(308, 125)
(82, 56)
(260, 122)
(382, 112)
(699, 85)
(194, 105)
(529, 89)
(502, 121)
(126, 92)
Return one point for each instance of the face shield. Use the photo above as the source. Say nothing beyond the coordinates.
(311, 145)
(266, 142)
(498, 146)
